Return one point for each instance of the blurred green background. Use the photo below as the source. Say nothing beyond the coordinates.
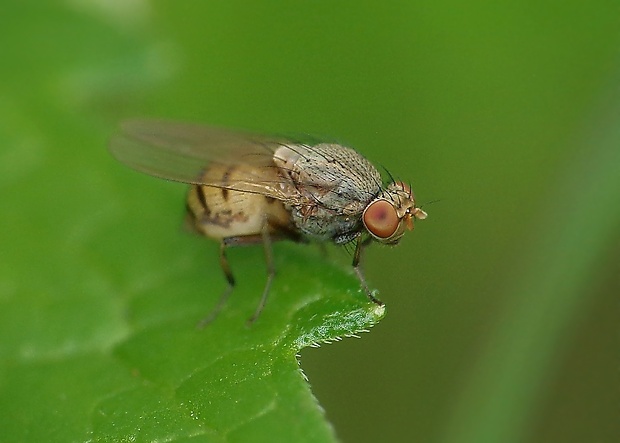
(503, 306)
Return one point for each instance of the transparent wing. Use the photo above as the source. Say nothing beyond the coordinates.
(182, 151)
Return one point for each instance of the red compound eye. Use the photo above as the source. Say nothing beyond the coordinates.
(380, 219)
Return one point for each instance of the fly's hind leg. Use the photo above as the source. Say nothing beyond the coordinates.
(226, 294)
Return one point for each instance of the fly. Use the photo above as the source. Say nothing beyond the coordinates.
(248, 189)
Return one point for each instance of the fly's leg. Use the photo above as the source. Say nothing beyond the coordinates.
(271, 272)
(358, 271)
(264, 237)
(224, 297)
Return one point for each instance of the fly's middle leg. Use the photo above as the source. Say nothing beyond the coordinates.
(271, 272)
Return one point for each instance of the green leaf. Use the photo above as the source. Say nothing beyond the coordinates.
(98, 324)
(237, 381)
(107, 348)
(101, 290)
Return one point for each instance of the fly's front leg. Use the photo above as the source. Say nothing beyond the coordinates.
(224, 297)
(358, 271)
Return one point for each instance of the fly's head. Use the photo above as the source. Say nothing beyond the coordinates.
(393, 211)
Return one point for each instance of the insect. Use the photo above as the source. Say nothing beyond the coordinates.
(251, 189)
